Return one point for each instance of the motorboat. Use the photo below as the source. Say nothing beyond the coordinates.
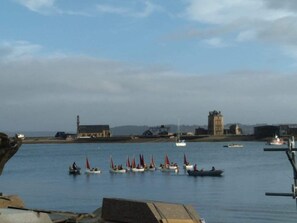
(204, 173)
(74, 171)
(234, 145)
(276, 141)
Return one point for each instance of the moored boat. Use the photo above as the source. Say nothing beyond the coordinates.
(276, 141)
(234, 145)
(203, 173)
(179, 142)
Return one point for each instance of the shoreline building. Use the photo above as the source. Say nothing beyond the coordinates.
(92, 131)
(215, 123)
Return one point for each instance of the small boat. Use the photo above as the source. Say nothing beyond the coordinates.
(169, 167)
(138, 169)
(179, 142)
(128, 164)
(90, 170)
(276, 141)
(74, 171)
(234, 145)
(116, 169)
(204, 173)
(187, 165)
(152, 166)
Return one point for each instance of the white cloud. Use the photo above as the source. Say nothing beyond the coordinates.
(17, 50)
(38, 5)
(232, 11)
(215, 42)
(147, 10)
(246, 35)
(238, 21)
(51, 89)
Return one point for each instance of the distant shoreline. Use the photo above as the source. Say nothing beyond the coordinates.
(135, 139)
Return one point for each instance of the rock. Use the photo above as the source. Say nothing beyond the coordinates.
(8, 147)
(11, 201)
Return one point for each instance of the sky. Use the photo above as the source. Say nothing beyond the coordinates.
(146, 62)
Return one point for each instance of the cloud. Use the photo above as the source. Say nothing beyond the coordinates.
(238, 21)
(130, 8)
(10, 51)
(46, 93)
(147, 9)
(42, 6)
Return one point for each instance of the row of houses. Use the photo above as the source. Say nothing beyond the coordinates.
(215, 128)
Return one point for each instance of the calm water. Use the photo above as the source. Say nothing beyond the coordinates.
(38, 174)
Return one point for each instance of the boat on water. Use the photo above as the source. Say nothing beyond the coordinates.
(90, 170)
(234, 145)
(152, 166)
(169, 167)
(276, 141)
(74, 169)
(136, 168)
(116, 168)
(204, 173)
(187, 165)
(179, 142)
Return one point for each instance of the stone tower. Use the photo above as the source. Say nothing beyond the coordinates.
(215, 123)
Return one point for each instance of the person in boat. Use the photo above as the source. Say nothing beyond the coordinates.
(213, 168)
(195, 167)
(74, 166)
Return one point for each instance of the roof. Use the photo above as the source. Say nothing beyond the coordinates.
(92, 128)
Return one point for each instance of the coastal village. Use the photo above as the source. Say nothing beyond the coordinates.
(215, 131)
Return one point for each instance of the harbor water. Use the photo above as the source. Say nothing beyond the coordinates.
(38, 173)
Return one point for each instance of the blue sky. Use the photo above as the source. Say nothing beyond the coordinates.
(121, 62)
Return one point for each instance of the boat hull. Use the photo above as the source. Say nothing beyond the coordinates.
(92, 171)
(202, 173)
(137, 169)
(117, 171)
(74, 171)
(181, 143)
(188, 167)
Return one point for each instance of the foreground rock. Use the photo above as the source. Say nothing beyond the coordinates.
(8, 147)
(113, 210)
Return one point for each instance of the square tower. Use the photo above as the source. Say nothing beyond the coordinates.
(215, 123)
